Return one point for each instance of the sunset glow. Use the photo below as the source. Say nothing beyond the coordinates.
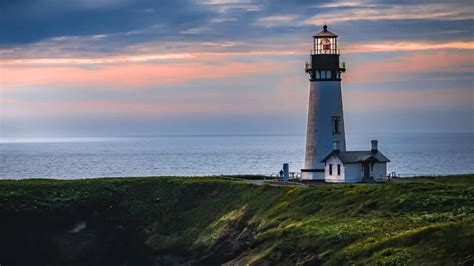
(231, 59)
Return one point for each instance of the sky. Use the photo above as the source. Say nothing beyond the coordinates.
(182, 67)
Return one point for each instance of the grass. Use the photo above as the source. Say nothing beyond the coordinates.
(170, 220)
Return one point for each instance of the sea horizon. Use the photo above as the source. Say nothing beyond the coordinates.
(411, 154)
(10, 139)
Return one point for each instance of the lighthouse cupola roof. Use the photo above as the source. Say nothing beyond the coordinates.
(325, 33)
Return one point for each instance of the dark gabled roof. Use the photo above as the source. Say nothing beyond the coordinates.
(358, 156)
(325, 33)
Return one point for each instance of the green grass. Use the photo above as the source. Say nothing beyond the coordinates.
(169, 220)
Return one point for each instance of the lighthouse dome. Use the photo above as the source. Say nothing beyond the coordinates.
(325, 33)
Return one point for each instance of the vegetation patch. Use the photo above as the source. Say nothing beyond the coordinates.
(208, 221)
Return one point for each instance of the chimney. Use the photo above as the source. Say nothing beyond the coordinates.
(374, 145)
(335, 145)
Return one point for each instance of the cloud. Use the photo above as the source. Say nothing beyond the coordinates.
(134, 58)
(14, 108)
(339, 4)
(96, 61)
(230, 95)
(121, 27)
(409, 100)
(273, 21)
(144, 58)
(127, 75)
(398, 68)
(405, 46)
(196, 30)
(358, 10)
(226, 6)
(35, 20)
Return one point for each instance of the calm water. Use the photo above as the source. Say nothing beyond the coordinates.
(432, 154)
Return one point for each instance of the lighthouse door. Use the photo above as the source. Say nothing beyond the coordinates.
(366, 167)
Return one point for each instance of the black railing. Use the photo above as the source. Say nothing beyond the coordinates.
(329, 51)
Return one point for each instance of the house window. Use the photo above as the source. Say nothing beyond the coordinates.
(336, 124)
(372, 167)
(318, 76)
(338, 169)
(328, 74)
(330, 169)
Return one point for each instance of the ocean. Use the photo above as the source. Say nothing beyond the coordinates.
(72, 158)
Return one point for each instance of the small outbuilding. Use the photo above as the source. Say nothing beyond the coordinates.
(355, 166)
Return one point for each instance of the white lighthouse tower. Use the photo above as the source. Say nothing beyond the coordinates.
(325, 113)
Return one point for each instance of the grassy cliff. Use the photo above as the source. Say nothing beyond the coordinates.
(170, 220)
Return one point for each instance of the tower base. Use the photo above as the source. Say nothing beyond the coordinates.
(312, 174)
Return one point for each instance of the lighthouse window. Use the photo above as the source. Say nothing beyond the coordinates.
(336, 127)
(330, 169)
(326, 43)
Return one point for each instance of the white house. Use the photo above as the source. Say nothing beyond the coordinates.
(355, 166)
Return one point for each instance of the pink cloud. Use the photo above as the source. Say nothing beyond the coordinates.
(390, 70)
(23, 57)
(96, 60)
(405, 46)
(362, 101)
(13, 108)
(127, 75)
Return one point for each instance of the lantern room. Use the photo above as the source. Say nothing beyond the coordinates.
(325, 42)
(324, 64)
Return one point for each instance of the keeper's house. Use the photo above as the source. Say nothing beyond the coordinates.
(355, 166)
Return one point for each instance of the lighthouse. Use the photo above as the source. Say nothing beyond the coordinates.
(325, 128)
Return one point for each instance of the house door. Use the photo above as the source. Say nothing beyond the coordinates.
(366, 171)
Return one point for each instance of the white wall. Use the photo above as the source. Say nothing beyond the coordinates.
(379, 172)
(334, 178)
(354, 172)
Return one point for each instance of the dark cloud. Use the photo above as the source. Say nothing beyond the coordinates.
(168, 24)
(27, 21)
(393, 30)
